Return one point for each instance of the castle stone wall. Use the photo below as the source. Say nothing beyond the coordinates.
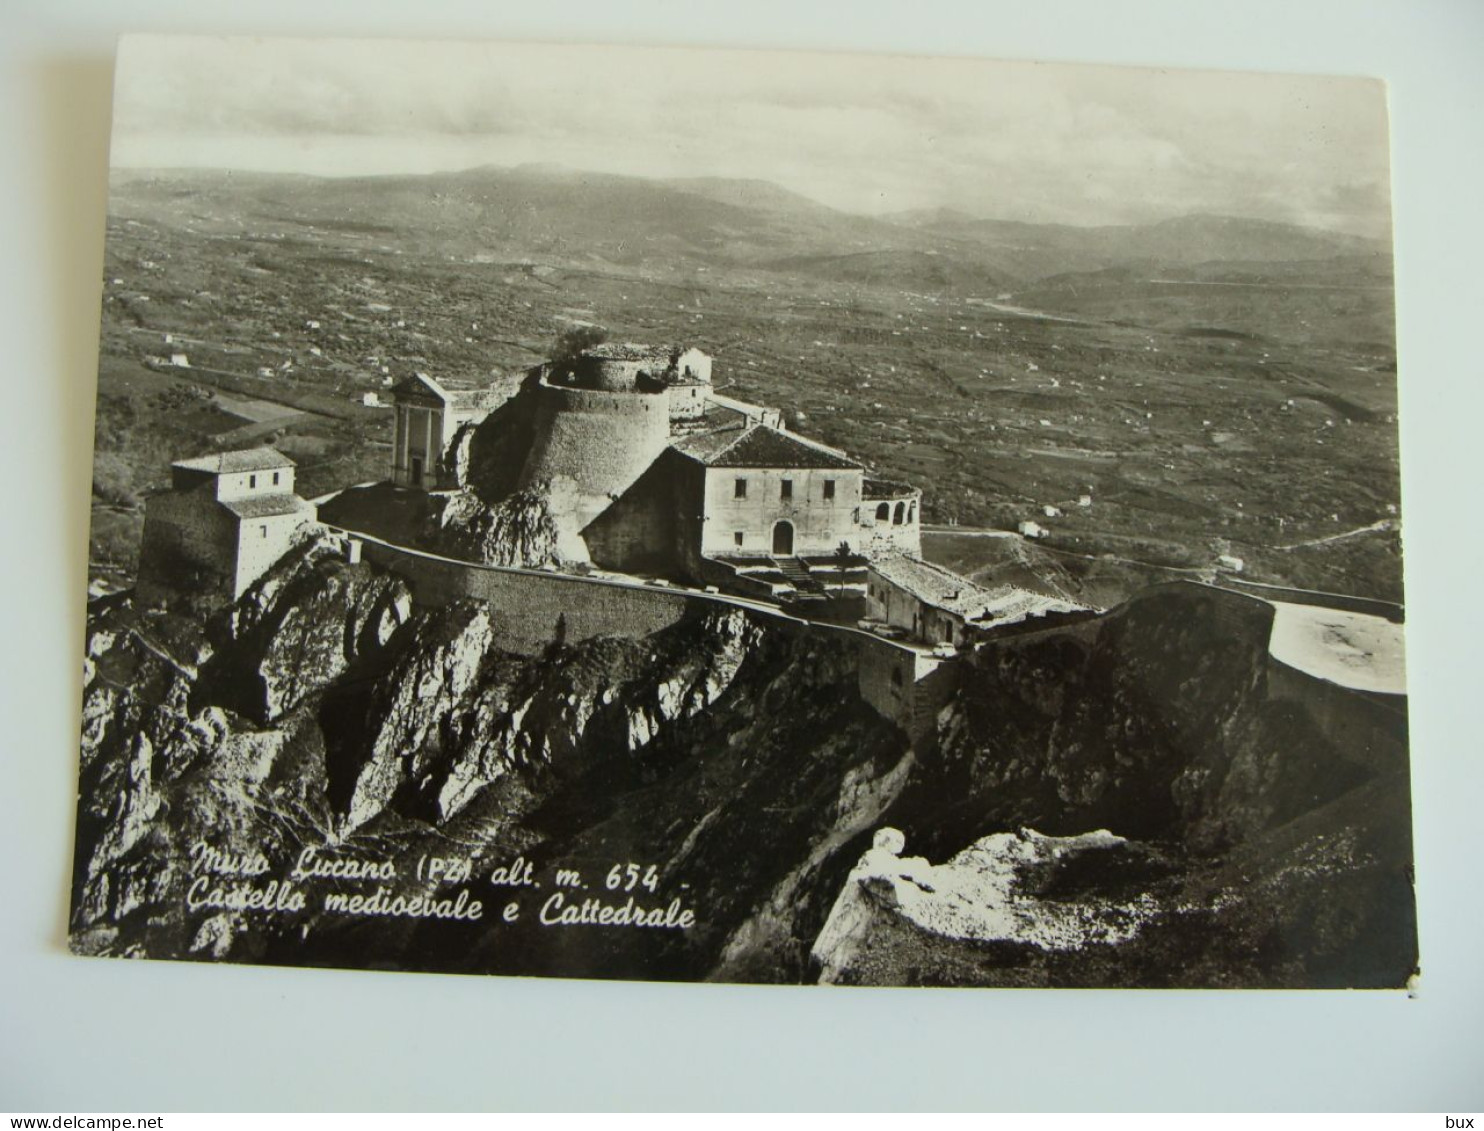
(879, 539)
(246, 484)
(688, 402)
(536, 608)
(602, 441)
(654, 526)
(623, 374)
(260, 542)
(1368, 726)
(189, 546)
(908, 687)
(891, 524)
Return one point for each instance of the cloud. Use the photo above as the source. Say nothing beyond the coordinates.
(865, 133)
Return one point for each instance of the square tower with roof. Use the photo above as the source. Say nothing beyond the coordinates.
(225, 520)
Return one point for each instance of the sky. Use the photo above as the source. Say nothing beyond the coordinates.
(861, 133)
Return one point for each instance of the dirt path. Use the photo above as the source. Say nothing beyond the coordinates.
(1374, 528)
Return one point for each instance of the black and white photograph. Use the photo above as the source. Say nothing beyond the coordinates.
(697, 515)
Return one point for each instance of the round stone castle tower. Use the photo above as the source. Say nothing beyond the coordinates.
(600, 421)
(624, 367)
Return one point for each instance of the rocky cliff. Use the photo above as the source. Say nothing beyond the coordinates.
(323, 712)
(1265, 845)
(727, 767)
(534, 527)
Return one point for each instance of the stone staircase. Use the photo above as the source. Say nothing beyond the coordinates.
(798, 576)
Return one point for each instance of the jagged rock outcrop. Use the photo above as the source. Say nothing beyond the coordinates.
(1166, 721)
(423, 734)
(452, 713)
(1263, 828)
(1164, 717)
(988, 893)
(487, 456)
(412, 707)
(533, 528)
(298, 629)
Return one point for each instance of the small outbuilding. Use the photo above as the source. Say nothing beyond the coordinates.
(939, 607)
(225, 520)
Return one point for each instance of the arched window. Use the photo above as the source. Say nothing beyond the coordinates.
(912, 512)
(900, 515)
(883, 512)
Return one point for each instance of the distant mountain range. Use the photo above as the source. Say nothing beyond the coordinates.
(1196, 238)
(562, 215)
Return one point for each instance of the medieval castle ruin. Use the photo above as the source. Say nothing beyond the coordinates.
(663, 483)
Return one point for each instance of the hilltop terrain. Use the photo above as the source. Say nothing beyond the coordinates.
(1258, 829)
(1145, 797)
(1213, 388)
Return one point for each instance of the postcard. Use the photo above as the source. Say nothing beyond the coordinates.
(700, 515)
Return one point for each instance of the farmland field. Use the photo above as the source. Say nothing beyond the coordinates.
(1148, 414)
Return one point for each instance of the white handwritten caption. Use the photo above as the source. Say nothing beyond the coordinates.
(241, 881)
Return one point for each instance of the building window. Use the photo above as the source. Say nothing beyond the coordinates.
(900, 515)
(739, 489)
(737, 538)
(252, 481)
(262, 532)
(788, 489)
(275, 479)
(883, 512)
(829, 489)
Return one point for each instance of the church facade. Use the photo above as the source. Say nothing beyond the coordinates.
(426, 418)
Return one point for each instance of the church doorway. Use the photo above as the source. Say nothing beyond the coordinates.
(783, 538)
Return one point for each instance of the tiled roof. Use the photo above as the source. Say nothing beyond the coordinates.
(706, 446)
(942, 589)
(761, 446)
(228, 463)
(421, 385)
(265, 506)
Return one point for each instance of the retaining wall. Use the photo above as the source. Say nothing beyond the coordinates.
(538, 608)
(1344, 602)
(1370, 727)
(535, 608)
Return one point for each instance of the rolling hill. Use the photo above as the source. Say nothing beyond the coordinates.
(570, 217)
